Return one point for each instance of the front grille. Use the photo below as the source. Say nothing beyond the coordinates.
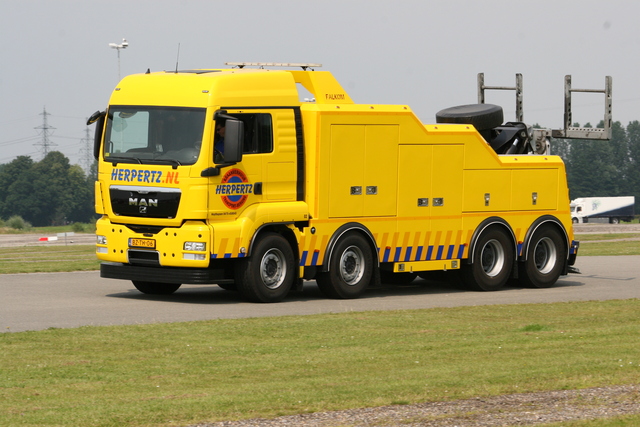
(137, 257)
(146, 202)
(145, 229)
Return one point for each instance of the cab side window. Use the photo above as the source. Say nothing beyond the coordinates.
(258, 132)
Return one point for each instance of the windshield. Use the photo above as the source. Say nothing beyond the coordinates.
(142, 135)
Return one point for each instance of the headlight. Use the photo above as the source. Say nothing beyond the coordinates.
(195, 246)
(101, 240)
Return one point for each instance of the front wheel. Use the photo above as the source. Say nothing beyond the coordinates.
(493, 258)
(350, 268)
(268, 274)
(544, 259)
(153, 288)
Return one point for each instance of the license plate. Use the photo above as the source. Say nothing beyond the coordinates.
(142, 243)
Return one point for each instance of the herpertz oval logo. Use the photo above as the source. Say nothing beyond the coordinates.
(234, 189)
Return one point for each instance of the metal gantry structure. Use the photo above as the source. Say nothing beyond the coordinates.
(45, 144)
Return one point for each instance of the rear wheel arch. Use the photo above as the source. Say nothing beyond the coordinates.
(343, 230)
(492, 256)
(268, 274)
(543, 220)
(351, 266)
(485, 225)
(278, 228)
(545, 256)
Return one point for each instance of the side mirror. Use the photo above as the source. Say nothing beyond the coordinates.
(95, 117)
(98, 116)
(233, 141)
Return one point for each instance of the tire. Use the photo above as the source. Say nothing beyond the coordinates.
(493, 258)
(614, 221)
(391, 278)
(575, 220)
(268, 274)
(545, 258)
(350, 268)
(481, 116)
(152, 288)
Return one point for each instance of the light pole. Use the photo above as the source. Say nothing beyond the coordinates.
(117, 47)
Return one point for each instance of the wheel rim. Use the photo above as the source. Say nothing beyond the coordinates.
(545, 255)
(352, 265)
(493, 258)
(273, 268)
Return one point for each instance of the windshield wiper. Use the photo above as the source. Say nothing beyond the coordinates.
(174, 163)
(114, 160)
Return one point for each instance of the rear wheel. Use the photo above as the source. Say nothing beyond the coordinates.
(268, 274)
(544, 258)
(493, 258)
(153, 288)
(350, 268)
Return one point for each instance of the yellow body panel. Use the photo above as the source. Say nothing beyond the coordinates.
(421, 191)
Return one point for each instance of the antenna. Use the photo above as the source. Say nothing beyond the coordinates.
(178, 58)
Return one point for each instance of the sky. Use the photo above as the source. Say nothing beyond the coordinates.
(426, 54)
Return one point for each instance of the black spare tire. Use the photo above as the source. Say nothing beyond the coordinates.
(481, 116)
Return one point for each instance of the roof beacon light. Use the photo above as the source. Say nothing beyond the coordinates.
(304, 66)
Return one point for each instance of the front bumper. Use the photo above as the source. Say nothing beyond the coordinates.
(191, 276)
(167, 245)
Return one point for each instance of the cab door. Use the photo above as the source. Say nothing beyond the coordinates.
(267, 171)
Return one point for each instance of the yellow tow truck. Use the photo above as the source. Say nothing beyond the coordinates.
(224, 176)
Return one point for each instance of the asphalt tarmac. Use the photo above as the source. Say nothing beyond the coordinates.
(67, 300)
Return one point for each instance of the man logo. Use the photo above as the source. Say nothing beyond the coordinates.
(143, 204)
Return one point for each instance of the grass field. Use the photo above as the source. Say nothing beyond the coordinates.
(608, 244)
(77, 227)
(48, 259)
(182, 373)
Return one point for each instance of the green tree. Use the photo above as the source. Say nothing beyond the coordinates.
(620, 158)
(49, 192)
(561, 147)
(10, 174)
(593, 166)
(78, 202)
(50, 189)
(633, 167)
